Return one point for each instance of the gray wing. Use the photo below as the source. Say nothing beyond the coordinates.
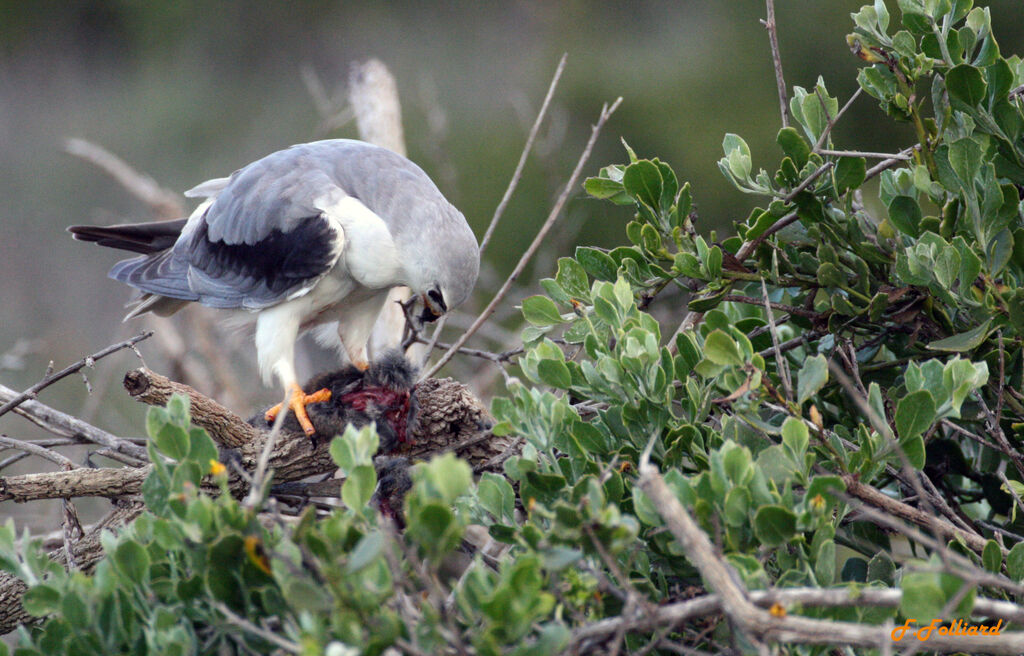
(260, 240)
(276, 226)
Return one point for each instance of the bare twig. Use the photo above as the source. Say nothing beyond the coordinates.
(773, 40)
(65, 425)
(865, 154)
(36, 450)
(930, 521)
(52, 378)
(780, 363)
(889, 163)
(606, 113)
(675, 614)
(164, 203)
(758, 624)
(265, 634)
(517, 174)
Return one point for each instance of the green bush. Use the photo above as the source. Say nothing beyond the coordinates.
(891, 357)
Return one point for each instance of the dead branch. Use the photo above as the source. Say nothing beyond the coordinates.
(65, 425)
(81, 482)
(761, 626)
(225, 427)
(673, 615)
(895, 507)
(51, 378)
(165, 203)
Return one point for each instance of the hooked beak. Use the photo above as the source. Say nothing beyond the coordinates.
(431, 310)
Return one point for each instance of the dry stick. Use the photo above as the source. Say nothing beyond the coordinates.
(863, 153)
(63, 424)
(832, 120)
(882, 428)
(518, 173)
(873, 496)
(112, 482)
(36, 450)
(237, 620)
(225, 427)
(968, 568)
(676, 613)
(773, 40)
(87, 361)
(606, 112)
(737, 605)
(889, 163)
(780, 364)
(164, 203)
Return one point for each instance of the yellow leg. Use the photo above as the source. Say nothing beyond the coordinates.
(297, 402)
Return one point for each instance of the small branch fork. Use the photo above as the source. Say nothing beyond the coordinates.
(87, 361)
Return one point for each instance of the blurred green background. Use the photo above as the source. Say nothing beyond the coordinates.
(189, 90)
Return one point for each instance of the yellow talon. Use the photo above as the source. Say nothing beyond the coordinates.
(297, 402)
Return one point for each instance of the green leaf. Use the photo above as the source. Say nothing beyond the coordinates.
(722, 349)
(965, 159)
(597, 263)
(966, 85)
(132, 560)
(446, 475)
(1015, 562)
(794, 145)
(961, 342)
(75, 611)
(541, 311)
(736, 508)
(905, 214)
(795, 437)
(359, 486)
(829, 275)
(922, 596)
(496, 496)
(915, 413)
(606, 189)
(992, 557)
(573, 278)
(41, 600)
(737, 156)
(774, 525)
(850, 172)
(642, 180)
(825, 563)
(854, 569)
(554, 373)
(201, 448)
(173, 441)
(709, 302)
(812, 377)
(913, 449)
(369, 547)
(882, 568)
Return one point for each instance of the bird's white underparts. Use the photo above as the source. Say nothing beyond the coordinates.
(308, 238)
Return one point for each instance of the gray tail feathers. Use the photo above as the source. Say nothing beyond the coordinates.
(145, 238)
(160, 274)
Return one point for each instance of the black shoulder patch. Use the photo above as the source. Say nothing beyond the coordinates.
(279, 261)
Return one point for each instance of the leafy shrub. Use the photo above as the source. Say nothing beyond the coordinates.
(862, 325)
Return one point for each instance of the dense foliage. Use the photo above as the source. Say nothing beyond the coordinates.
(864, 323)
